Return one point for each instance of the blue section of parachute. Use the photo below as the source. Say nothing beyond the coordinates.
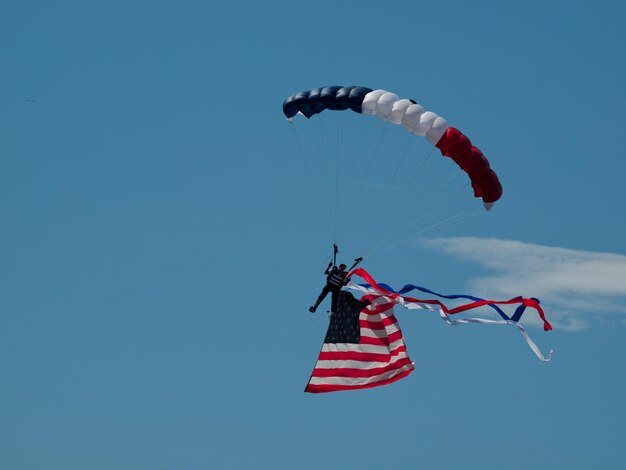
(337, 98)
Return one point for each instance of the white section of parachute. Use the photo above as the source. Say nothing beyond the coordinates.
(413, 117)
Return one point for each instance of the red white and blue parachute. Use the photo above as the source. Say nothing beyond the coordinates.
(413, 117)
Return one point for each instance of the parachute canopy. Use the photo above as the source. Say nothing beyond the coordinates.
(414, 118)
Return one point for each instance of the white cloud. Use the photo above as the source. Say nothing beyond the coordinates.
(571, 284)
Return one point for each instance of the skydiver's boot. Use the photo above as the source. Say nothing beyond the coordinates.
(321, 297)
(313, 307)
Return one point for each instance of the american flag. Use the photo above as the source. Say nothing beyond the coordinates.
(363, 347)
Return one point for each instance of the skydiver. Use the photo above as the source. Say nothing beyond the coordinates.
(335, 280)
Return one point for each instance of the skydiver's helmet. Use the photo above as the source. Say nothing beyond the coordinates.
(342, 267)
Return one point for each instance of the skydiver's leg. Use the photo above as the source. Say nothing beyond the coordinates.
(321, 297)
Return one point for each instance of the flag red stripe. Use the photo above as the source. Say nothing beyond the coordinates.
(322, 388)
(395, 336)
(358, 373)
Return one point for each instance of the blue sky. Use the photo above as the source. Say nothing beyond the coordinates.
(163, 239)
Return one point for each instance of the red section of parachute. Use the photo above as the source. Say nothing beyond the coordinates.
(456, 145)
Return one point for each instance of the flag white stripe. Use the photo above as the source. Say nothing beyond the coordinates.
(379, 333)
(366, 348)
(354, 364)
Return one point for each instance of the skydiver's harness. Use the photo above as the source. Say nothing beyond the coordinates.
(335, 279)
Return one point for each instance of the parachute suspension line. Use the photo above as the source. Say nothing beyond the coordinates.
(445, 199)
(377, 147)
(401, 160)
(454, 176)
(382, 135)
(388, 240)
(326, 145)
(321, 151)
(388, 246)
(338, 147)
(434, 183)
(453, 193)
(421, 167)
(376, 249)
(359, 143)
(336, 197)
(391, 234)
(430, 190)
(405, 153)
(458, 216)
(350, 202)
(311, 179)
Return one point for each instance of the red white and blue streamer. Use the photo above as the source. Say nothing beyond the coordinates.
(373, 290)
